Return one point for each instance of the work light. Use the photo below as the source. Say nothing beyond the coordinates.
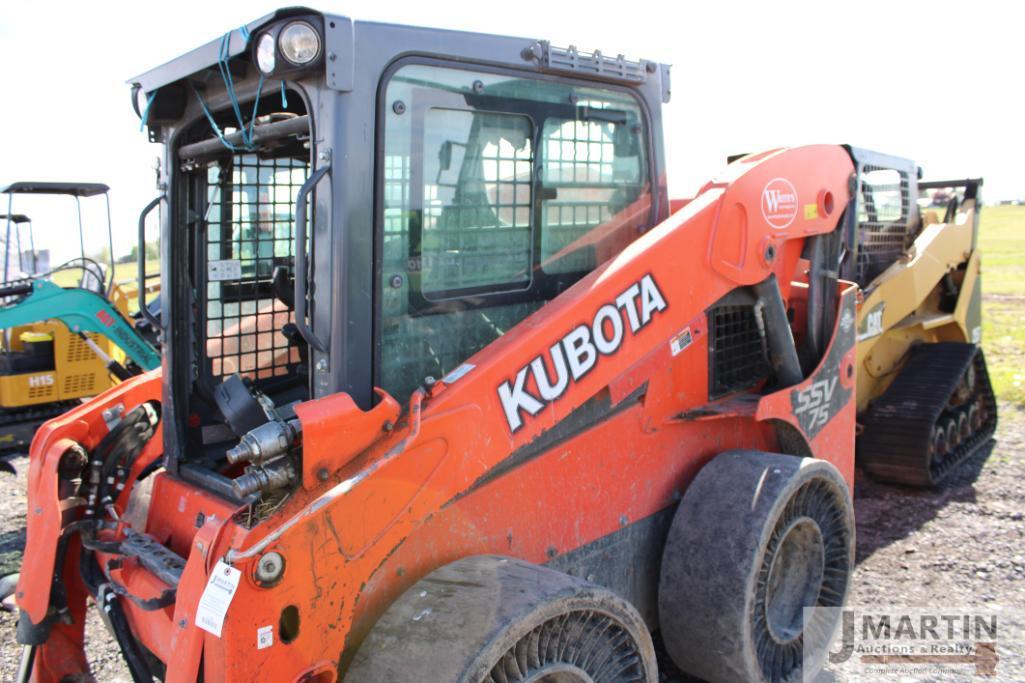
(265, 57)
(299, 43)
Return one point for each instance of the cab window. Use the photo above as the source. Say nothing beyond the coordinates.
(499, 192)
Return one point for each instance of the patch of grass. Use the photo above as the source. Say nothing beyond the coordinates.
(1002, 241)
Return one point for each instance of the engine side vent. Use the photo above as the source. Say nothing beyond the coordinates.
(79, 351)
(736, 351)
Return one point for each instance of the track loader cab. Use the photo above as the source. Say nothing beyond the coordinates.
(430, 322)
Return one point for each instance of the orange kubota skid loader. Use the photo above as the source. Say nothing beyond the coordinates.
(608, 433)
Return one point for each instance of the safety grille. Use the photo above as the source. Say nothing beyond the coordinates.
(250, 232)
(84, 383)
(736, 350)
(884, 225)
(476, 224)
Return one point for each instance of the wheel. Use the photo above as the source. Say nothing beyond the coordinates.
(938, 444)
(964, 426)
(953, 433)
(757, 537)
(975, 415)
(489, 619)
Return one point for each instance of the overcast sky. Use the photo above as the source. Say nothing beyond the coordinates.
(938, 82)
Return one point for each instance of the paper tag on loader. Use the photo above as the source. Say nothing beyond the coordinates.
(213, 605)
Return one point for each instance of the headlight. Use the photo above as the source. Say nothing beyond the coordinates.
(265, 58)
(299, 43)
(141, 101)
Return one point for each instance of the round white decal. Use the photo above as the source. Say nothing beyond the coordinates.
(779, 203)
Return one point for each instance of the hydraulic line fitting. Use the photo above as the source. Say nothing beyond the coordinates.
(265, 442)
(276, 475)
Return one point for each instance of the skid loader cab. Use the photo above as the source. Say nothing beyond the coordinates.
(461, 181)
(603, 398)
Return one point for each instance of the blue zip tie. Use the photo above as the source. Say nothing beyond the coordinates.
(223, 56)
(252, 119)
(153, 96)
(229, 82)
(213, 124)
(284, 100)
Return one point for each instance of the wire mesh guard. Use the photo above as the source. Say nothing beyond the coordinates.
(884, 226)
(590, 184)
(476, 218)
(246, 239)
(737, 350)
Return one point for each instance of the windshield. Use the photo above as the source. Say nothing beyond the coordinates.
(499, 192)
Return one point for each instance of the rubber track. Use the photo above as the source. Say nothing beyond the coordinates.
(895, 443)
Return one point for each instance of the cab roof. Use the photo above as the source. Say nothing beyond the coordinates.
(73, 189)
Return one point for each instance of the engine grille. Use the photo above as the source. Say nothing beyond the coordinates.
(737, 357)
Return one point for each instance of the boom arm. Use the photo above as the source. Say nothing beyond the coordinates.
(82, 311)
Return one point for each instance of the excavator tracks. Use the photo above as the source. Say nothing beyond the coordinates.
(937, 413)
(19, 425)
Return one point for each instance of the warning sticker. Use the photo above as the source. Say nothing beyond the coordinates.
(228, 269)
(264, 637)
(457, 373)
(779, 203)
(216, 598)
(681, 341)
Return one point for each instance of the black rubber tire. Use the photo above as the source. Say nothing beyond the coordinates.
(493, 619)
(741, 560)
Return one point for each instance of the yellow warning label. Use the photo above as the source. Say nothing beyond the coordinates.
(811, 211)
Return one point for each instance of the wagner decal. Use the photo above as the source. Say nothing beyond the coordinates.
(579, 350)
(779, 203)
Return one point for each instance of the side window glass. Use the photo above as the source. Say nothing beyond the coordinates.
(476, 216)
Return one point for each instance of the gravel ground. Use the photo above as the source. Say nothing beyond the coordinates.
(962, 545)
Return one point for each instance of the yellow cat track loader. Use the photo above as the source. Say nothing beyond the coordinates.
(924, 397)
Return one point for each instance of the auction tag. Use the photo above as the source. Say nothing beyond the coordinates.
(216, 598)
